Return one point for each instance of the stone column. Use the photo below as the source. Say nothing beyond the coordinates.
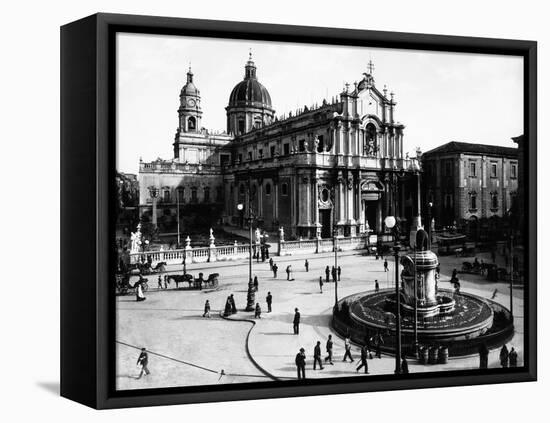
(275, 199)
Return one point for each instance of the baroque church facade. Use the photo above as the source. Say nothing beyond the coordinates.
(337, 168)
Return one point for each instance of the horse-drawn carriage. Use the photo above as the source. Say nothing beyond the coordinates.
(195, 283)
(147, 268)
(125, 286)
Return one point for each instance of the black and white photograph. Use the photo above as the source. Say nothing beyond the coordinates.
(291, 211)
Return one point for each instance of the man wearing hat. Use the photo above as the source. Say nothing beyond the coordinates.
(301, 364)
(142, 361)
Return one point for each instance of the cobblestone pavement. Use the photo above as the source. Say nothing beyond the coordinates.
(170, 323)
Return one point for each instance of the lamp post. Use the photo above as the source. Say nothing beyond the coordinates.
(511, 274)
(178, 215)
(154, 193)
(250, 295)
(391, 224)
(430, 205)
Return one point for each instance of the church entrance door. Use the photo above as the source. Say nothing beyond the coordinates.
(324, 217)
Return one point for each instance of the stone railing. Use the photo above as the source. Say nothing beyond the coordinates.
(322, 245)
(193, 255)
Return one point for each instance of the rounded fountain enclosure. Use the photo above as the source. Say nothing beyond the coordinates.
(459, 321)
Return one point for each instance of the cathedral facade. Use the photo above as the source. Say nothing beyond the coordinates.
(336, 168)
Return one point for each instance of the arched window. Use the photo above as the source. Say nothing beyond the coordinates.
(369, 145)
(181, 193)
(191, 123)
(284, 189)
(206, 194)
(193, 195)
(267, 189)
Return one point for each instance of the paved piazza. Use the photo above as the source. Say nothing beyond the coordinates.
(186, 349)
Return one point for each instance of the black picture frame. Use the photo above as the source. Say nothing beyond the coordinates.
(87, 167)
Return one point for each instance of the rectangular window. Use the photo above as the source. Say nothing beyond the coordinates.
(241, 126)
(272, 151)
(302, 145)
(493, 170)
(240, 158)
(167, 196)
(249, 155)
(513, 170)
(261, 153)
(181, 193)
(224, 159)
(472, 170)
(448, 169)
(321, 146)
(286, 149)
(473, 202)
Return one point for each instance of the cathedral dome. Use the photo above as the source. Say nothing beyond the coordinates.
(249, 90)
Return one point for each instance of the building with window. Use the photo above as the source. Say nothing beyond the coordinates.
(335, 167)
(467, 182)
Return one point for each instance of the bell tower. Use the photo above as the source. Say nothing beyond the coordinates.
(189, 112)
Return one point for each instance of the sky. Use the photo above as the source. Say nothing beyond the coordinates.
(440, 96)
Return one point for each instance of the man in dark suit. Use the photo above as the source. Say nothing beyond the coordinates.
(317, 356)
(327, 273)
(364, 357)
(269, 300)
(296, 322)
(329, 350)
(301, 364)
(142, 361)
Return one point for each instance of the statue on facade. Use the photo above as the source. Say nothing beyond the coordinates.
(136, 240)
(281, 234)
(316, 143)
(257, 235)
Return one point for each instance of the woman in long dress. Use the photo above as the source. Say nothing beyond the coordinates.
(139, 292)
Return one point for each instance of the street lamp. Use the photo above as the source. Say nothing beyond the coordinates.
(390, 222)
(250, 295)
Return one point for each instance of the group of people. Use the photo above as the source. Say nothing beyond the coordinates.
(507, 358)
(318, 359)
(335, 272)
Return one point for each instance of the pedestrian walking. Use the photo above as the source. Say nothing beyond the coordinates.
(206, 309)
(275, 268)
(504, 356)
(160, 282)
(495, 292)
(327, 273)
(513, 357)
(166, 282)
(329, 350)
(386, 265)
(376, 286)
(258, 311)
(347, 348)
(317, 356)
(306, 265)
(493, 256)
(378, 341)
(143, 361)
(483, 356)
(364, 357)
(271, 264)
(256, 284)
(301, 364)
(404, 365)
(269, 300)
(321, 284)
(334, 276)
(339, 270)
(296, 322)
(233, 306)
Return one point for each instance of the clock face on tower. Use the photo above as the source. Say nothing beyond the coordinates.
(191, 102)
